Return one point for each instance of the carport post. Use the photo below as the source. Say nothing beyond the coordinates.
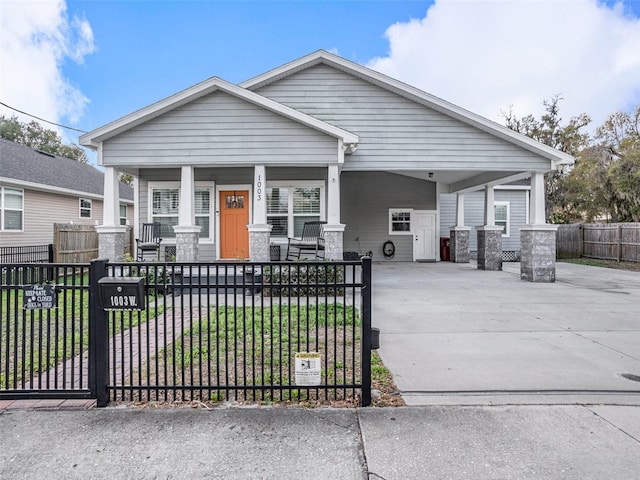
(366, 332)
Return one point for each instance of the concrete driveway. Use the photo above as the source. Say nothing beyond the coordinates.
(453, 334)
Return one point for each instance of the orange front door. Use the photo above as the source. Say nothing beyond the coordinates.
(234, 218)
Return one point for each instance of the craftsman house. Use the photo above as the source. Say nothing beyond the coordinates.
(38, 189)
(230, 170)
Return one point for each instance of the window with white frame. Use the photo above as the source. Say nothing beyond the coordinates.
(400, 221)
(85, 208)
(11, 209)
(203, 211)
(165, 207)
(123, 214)
(502, 217)
(290, 206)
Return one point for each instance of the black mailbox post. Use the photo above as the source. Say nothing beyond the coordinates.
(122, 293)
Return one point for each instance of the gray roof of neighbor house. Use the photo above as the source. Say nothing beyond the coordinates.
(25, 164)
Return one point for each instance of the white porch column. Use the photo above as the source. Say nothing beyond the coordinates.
(489, 236)
(111, 233)
(538, 239)
(459, 235)
(489, 202)
(333, 230)
(187, 232)
(259, 230)
(537, 214)
(187, 213)
(111, 205)
(460, 210)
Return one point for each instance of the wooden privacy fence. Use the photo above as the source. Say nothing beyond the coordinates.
(606, 241)
(79, 243)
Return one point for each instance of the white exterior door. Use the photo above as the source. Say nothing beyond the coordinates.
(424, 235)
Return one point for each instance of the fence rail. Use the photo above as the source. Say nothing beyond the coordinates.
(27, 254)
(78, 243)
(261, 332)
(616, 241)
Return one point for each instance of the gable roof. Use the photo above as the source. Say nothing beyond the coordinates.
(93, 138)
(412, 93)
(39, 170)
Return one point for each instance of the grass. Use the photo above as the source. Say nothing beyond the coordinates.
(39, 340)
(240, 348)
(633, 266)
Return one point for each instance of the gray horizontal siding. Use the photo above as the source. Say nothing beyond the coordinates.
(474, 214)
(365, 203)
(393, 128)
(220, 129)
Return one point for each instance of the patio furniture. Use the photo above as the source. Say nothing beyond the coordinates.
(311, 240)
(149, 241)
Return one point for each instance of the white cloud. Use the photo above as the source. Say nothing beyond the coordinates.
(36, 38)
(486, 56)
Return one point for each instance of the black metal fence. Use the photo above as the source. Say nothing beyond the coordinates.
(44, 331)
(245, 332)
(27, 254)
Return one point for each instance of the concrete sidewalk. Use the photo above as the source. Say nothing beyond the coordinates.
(525, 442)
(453, 334)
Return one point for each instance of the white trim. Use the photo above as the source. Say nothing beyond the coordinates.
(3, 209)
(94, 138)
(503, 203)
(170, 184)
(292, 184)
(90, 207)
(412, 93)
(401, 210)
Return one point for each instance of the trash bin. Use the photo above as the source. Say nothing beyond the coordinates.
(445, 248)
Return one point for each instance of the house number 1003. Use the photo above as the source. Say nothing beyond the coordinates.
(259, 188)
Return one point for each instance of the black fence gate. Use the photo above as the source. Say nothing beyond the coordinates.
(246, 332)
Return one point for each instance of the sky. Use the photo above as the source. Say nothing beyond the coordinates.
(84, 64)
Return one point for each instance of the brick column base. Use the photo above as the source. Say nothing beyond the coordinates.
(111, 242)
(187, 243)
(489, 247)
(459, 246)
(333, 242)
(538, 253)
(259, 246)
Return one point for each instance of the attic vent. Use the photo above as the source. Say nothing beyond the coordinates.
(46, 153)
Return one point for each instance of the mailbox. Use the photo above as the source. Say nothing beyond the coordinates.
(122, 293)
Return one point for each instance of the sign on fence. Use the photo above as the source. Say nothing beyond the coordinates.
(39, 296)
(308, 368)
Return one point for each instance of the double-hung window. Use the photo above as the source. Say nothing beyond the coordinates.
(11, 209)
(85, 208)
(501, 217)
(123, 214)
(290, 207)
(165, 207)
(400, 221)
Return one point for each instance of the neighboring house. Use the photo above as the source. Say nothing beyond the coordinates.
(511, 211)
(229, 170)
(38, 189)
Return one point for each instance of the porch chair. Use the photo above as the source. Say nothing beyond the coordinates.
(149, 241)
(311, 240)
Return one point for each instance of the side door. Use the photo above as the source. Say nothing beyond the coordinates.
(424, 236)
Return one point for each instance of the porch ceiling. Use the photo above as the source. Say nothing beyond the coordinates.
(452, 181)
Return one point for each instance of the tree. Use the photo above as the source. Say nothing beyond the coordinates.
(570, 138)
(33, 135)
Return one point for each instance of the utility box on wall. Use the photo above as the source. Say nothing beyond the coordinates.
(122, 293)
